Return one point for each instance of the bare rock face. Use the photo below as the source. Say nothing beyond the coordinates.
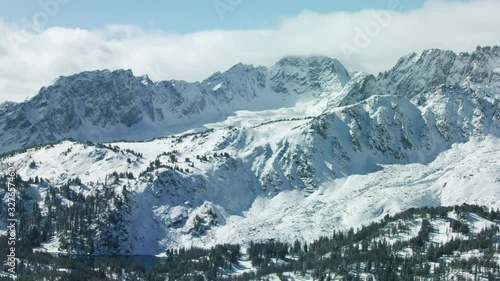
(105, 106)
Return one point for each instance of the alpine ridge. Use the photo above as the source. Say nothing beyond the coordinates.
(115, 105)
(254, 153)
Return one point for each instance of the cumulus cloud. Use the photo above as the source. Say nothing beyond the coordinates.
(368, 40)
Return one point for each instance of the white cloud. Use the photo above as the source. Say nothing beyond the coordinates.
(367, 40)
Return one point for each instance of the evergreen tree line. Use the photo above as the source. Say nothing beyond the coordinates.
(352, 253)
(96, 223)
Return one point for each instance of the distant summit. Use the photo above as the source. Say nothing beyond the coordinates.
(108, 105)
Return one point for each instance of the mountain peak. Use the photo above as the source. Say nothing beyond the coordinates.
(116, 102)
(488, 48)
(317, 69)
(429, 69)
(433, 55)
(307, 61)
(94, 75)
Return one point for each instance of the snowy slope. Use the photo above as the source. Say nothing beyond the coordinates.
(360, 199)
(290, 152)
(163, 215)
(261, 202)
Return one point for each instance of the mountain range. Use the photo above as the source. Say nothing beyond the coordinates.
(288, 152)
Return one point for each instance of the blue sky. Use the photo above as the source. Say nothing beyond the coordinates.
(183, 16)
(191, 39)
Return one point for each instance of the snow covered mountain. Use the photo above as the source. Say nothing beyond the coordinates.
(287, 152)
(108, 106)
(421, 73)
